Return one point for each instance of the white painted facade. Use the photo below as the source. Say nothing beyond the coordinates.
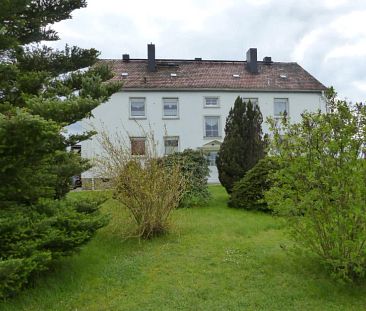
(189, 125)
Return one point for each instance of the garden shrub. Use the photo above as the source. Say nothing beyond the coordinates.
(194, 167)
(149, 186)
(32, 237)
(321, 190)
(151, 192)
(248, 193)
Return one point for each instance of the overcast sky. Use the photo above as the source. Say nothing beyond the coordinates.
(326, 37)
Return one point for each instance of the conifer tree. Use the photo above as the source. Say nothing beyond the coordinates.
(243, 145)
(42, 90)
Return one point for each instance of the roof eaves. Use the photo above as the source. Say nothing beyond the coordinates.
(159, 89)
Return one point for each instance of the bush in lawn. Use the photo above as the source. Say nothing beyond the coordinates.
(194, 167)
(248, 193)
(143, 184)
(151, 192)
(324, 181)
(33, 236)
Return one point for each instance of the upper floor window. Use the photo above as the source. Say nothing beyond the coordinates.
(137, 107)
(253, 100)
(138, 145)
(171, 144)
(170, 107)
(211, 101)
(280, 107)
(212, 126)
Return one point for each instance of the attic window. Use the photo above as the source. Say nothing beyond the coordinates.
(283, 76)
(124, 74)
(173, 74)
(236, 76)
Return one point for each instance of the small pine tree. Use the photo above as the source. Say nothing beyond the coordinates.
(243, 145)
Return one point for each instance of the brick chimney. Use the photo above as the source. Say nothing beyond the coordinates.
(252, 63)
(151, 62)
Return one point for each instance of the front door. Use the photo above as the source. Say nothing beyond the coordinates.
(210, 150)
(214, 175)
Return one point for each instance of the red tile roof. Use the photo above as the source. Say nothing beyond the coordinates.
(213, 75)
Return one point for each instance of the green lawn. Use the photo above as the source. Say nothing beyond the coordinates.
(216, 258)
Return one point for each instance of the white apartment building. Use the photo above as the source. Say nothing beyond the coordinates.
(185, 102)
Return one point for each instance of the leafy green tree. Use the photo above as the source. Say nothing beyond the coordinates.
(41, 91)
(243, 145)
(321, 186)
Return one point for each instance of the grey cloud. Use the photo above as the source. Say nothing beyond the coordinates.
(276, 28)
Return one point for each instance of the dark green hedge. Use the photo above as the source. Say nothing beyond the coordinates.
(32, 237)
(248, 192)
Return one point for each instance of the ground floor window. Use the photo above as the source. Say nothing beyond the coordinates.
(171, 144)
(138, 145)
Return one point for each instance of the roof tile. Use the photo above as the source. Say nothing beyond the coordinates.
(192, 74)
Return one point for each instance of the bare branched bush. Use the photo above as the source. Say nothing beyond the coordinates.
(142, 183)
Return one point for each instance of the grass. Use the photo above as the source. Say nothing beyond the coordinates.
(216, 258)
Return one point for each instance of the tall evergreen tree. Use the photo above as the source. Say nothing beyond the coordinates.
(243, 144)
(41, 91)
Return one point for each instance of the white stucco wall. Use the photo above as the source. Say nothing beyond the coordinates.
(115, 115)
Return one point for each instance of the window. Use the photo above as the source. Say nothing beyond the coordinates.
(137, 107)
(138, 145)
(170, 107)
(253, 100)
(211, 157)
(280, 107)
(211, 102)
(171, 144)
(212, 125)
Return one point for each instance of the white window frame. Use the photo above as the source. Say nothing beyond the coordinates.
(278, 116)
(211, 106)
(170, 98)
(204, 126)
(131, 99)
(165, 138)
